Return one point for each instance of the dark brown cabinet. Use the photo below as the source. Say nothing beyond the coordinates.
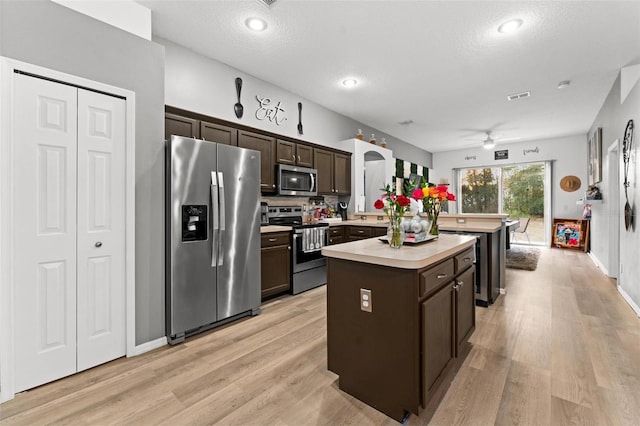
(334, 172)
(293, 153)
(218, 133)
(266, 146)
(180, 126)
(336, 234)
(275, 261)
(422, 320)
(355, 233)
(437, 313)
(342, 174)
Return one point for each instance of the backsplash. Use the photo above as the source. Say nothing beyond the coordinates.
(329, 200)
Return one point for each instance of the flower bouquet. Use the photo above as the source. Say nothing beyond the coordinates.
(433, 197)
(394, 206)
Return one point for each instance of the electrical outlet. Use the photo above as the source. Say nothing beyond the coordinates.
(365, 300)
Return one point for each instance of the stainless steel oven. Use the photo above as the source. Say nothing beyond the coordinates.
(293, 180)
(308, 265)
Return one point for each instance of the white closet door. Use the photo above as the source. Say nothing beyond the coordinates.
(44, 217)
(101, 228)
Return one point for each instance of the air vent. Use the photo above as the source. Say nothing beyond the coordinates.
(519, 96)
(268, 3)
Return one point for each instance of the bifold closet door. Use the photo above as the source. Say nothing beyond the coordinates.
(101, 229)
(44, 217)
(68, 216)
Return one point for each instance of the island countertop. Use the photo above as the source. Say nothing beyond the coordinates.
(417, 256)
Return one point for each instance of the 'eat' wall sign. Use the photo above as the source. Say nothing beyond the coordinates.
(268, 111)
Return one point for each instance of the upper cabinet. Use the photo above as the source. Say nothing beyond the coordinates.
(334, 172)
(296, 154)
(180, 126)
(266, 146)
(218, 133)
(191, 128)
(334, 167)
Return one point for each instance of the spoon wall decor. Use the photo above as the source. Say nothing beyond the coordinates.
(238, 108)
(299, 118)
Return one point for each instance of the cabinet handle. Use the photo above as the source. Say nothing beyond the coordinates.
(360, 232)
(467, 259)
(274, 185)
(289, 248)
(271, 240)
(460, 283)
(456, 287)
(294, 158)
(298, 158)
(333, 190)
(441, 276)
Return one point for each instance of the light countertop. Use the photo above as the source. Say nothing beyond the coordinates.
(274, 228)
(482, 227)
(418, 256)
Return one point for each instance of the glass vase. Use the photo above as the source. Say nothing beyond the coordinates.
(433, 229)
(395, 234)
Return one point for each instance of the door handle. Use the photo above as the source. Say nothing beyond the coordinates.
(214, 200)
(98, 244)
(222, 214)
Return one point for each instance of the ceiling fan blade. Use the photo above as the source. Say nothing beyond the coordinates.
(507, 139)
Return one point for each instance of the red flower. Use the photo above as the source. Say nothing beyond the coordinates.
(403, 201)
(379, 204)
(451, 197)
(418, 194)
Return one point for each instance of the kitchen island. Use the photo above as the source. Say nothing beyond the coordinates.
(398, 320)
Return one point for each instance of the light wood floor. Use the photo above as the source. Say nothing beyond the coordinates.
(561, 348)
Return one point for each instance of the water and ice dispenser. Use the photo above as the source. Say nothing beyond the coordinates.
(194, 223)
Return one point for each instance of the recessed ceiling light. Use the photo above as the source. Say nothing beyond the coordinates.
(564, 84)
(350, 82)
(256, 24)
(509, 26)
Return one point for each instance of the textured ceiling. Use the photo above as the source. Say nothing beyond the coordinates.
(441, 64)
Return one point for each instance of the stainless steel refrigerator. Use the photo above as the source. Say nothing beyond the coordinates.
(213, 235)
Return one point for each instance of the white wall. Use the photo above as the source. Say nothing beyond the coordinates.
(568, 156)
(206, 86)
(613, 118)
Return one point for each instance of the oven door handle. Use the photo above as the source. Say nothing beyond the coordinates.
(295, 249)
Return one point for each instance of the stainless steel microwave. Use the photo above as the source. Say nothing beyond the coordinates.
(293, 180)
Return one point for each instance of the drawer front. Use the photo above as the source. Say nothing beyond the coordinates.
(272, 239)
(433, 278)
(360, 231)
(336, 231)
(464, 260)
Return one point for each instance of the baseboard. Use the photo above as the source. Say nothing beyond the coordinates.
(598, 264)
(629, 300)
(148, 346)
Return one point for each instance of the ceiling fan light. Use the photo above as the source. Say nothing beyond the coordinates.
(489, 144)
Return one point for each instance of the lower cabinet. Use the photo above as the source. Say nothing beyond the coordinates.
(422, 320)
(336, 234)
(275, 262)
(358, 232)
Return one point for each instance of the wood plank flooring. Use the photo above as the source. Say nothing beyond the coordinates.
(562, 347)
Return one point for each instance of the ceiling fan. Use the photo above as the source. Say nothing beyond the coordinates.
(490, 142)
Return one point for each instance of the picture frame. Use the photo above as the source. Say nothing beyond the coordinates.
(595, 157)
(570, 234)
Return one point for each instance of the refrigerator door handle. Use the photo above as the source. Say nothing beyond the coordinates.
(222, 213)
(214, 239)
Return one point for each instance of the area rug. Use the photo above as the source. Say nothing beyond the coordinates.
(519, 257)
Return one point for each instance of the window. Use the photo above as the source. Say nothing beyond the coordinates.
(517, 190)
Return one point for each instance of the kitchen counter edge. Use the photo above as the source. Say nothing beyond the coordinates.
(373, 251)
